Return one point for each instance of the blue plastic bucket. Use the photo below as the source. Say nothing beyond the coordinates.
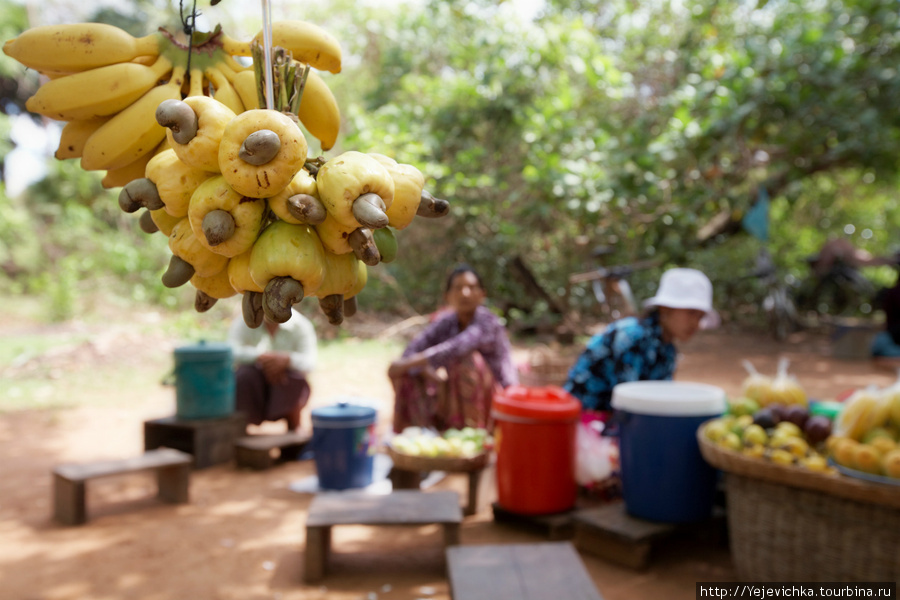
(343, 445)
(204, 381)
(664, 476)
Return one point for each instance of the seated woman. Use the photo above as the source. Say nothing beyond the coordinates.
(448, 374)
(643, 348)
(271, 366)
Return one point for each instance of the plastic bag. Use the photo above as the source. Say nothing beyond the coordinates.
(596, 456)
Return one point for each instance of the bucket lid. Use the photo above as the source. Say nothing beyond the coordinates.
(341, 412)
(549, 403)
(669, 398)
(204, 351)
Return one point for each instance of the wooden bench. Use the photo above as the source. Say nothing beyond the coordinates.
(172, 467)
(540, 571)
(403, 507)
(256, 451)
(612, 534)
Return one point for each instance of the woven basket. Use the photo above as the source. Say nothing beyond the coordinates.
(787, 524)
(408, 462)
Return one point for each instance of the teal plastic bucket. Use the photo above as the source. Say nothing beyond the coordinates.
(204, 381)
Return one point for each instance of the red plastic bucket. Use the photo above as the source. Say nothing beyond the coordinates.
(534, 438)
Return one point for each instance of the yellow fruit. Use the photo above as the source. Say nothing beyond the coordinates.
(319, 111)
(269, 178)
(867, 458)
(408, 185)
(843, 451)
(796, 446)
(715, 430)
(307, 42)
(781, 457)
(215, 204)
(731, 441)
(754, 451)
(815, 462)
(78, 46)
(754, 434)
(342, 182)
(100, 92)
(202, 151)
(883, 444)
(891, 464)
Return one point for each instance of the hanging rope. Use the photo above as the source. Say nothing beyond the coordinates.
(189, 25)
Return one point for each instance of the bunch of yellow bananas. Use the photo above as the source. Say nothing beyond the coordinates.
(106, 85)
(246, 211)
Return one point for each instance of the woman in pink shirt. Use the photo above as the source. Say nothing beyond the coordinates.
(448, 374)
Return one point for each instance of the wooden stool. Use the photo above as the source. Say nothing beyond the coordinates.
(173, 471)
(556, 526)
(408, 472)
(255, 451)
(210, 441)
(611, 533)
(404, 507)
(542, 571)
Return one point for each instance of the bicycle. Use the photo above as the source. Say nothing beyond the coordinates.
(610, 285)
(778, 303)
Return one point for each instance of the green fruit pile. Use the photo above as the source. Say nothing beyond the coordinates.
(453, 443)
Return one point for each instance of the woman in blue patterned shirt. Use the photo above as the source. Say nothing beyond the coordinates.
(643, 348)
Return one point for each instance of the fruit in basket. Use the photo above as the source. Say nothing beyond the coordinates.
(867, 458)
(786, 389)
(781, 457)
(817, 429)
(731, 440)
(743, 406)
(843, 451)
(765, 418)
(754, 434)
(815, 462)
(715, 430)
(453, 443)
(796, 414)
(891, 463)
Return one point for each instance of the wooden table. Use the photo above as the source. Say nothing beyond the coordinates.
(611, 533)
(404, 507)
(541, 571)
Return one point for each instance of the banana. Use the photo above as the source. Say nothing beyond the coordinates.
(99, 92)
(133, 170)
(307, 42)
(74, 135)
(244, 82)
(319, 111)
(78, 47)
(223, 91)
(133, 132)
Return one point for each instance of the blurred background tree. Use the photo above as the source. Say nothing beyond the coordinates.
(648, 127)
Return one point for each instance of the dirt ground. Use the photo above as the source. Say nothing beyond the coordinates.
(241, 536)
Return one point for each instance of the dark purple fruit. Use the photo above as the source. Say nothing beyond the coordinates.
(796, 414)
(764, 418)
(817, 429)
(778, 412)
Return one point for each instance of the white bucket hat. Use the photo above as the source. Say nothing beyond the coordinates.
(686, 288)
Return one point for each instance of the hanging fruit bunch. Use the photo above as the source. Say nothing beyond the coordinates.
(212, 150)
